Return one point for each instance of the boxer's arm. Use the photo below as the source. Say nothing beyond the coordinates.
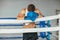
(21, 15)
(39, 12)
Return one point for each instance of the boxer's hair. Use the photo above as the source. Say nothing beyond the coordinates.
(31, 7)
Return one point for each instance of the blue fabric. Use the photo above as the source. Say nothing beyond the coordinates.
(48, 23)
(31, 16)
(42, 25)
(42, 34)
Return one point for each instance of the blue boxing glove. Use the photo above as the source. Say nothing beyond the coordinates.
(42, 34)
(42, 25)
(32, 15)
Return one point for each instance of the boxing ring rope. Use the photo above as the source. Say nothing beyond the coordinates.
(12, 21)
(26, 30)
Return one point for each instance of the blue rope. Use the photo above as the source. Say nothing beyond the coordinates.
(11, 24)
(8, 18)
(12, 37)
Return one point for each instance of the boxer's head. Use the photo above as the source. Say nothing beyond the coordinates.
(31, 7)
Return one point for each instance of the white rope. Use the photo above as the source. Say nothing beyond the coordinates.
(29, 29)
(48, 18)
(14, 21)
(7, 21)
(3, 31)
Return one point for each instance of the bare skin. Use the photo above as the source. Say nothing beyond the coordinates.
(21, 16)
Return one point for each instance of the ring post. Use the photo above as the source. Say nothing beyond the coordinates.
(59, 27)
